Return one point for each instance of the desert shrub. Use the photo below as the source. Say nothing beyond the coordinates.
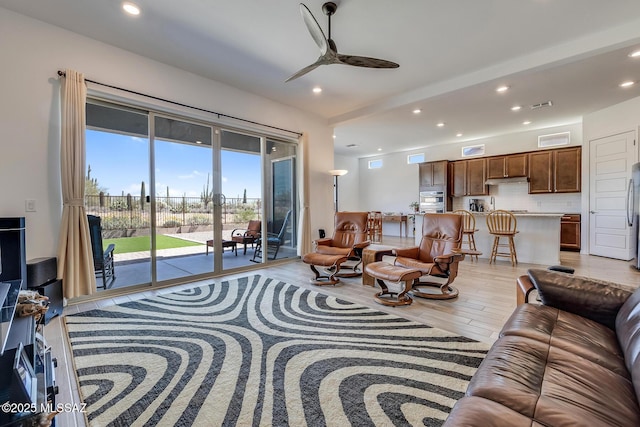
(244, 214)
(121, 222)
(172, 222)
(199, 219)
(118, 204)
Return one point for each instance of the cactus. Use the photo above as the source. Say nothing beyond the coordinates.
(206, 196)
(142, 196)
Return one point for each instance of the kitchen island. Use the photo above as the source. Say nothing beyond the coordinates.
(537, 241)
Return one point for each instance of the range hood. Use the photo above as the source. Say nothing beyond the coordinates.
(515, 180)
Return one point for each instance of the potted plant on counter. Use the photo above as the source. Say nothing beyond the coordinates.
(415, 206)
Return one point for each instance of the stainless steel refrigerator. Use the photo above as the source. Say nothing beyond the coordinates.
(633, 212)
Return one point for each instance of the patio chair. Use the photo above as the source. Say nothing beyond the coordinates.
(247, 236)
(273, 241)
(102, 259)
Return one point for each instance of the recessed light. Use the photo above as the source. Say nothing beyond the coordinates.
(501, 89)
(634, 54)
(317, 90)
(379, 149)
(516, 108)
(459, 134)
(334, 137)
(131, 8)
(627, 83)
(526, 122)
(417, 111)
(441, 124)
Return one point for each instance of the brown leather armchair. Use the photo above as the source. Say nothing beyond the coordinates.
(349, 238)
(437, 256)
(248, 236)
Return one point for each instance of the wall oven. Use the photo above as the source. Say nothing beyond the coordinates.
(432, 201)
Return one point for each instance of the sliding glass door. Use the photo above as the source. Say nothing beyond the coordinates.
(241, 216)
(281, 204)
(186, 199)
(116, 184)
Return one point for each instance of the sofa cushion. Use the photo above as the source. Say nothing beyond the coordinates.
(472, 411)
(597, 300)
(553, 386)
(569, 332)
(628, 332)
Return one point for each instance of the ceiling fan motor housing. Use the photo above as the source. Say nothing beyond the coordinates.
(329, 8)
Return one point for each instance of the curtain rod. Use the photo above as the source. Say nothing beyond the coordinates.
(63, 74)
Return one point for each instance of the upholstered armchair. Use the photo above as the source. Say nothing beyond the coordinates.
(247, 236)
(349, 238)
(436, 257)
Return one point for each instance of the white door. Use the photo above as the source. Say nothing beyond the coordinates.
(610, 164)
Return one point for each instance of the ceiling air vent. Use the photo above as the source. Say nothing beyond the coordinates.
(351, 145)
(541, 105)
(554, 139)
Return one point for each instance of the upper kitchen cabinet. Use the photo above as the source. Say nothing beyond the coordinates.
(555, 171)
(568, 170)
(468, 178)
(433, 175)
(511, 166)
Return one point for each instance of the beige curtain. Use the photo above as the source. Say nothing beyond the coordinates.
(304, 225)
(75, 260)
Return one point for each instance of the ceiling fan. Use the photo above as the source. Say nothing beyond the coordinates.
(328, 51)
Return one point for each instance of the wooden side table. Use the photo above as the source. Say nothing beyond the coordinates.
(225, 244)
(373, 253)
(400, 219)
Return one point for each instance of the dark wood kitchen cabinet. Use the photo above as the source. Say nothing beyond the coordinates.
(570, 232)
(510, 166)
(468, 178)
(458, 178)
(555, 171)
(433, 175)
(568, 170)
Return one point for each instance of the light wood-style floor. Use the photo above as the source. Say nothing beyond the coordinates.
(487, 298)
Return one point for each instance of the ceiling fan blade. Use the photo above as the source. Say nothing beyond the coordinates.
(314, 29)
(304, 71)
(365, 61)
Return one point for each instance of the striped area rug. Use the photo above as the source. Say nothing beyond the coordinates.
(257, 351)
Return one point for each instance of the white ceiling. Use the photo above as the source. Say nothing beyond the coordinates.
(452, 56)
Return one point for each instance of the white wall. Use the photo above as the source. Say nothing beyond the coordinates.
(32, 53)
(391, 188)
(349, 184)
(395, 185)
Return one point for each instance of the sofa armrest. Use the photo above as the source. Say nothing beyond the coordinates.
(593, 299)
(525, 287)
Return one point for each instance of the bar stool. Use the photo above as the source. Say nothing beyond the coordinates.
(468, 229)
(502, 224)
(374, 226)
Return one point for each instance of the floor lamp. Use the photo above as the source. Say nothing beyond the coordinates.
(336, 173)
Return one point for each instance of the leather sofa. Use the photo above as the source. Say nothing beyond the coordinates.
(573, 360)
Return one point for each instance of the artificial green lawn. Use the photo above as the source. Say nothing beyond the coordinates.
(143, 243)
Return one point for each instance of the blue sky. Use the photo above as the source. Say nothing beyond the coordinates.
(120, 163)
